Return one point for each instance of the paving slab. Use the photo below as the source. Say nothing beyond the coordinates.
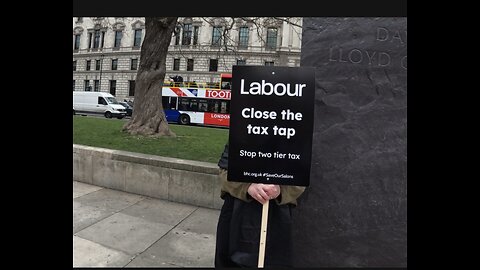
(160, 211)
(203, 220)
(119, 229)
(182, 248)
(80, 189)
(91, 254)
(109, 199)
(125, 233)
(143, 261)
(84, 216)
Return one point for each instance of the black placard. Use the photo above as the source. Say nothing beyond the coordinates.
(271, 125)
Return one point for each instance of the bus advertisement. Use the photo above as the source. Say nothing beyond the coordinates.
(196, 105)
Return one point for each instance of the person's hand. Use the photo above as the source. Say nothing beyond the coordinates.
(263, 192)
(273, 191)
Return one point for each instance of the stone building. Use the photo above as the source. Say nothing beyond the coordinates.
(106, 50)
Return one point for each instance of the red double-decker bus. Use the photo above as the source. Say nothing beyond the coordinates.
(198, 103)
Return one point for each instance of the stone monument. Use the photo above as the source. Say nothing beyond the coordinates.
(354, 213)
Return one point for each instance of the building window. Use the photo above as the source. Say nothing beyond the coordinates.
(190, 65)
(88, 65)
(76, 44)
(177, 34)
(86, 84)
(272, 38)
(213, 65)
(97, 64)
(138, 37)
(133, 64)
(195, 35)
(113, 87)
(217, 36)
(73, 85)
(96, 41)
(187, 34)
(241, 62)
(243, 37)
(96, 85)
(103, 40)
(89, 40)
(176, 64)
(118, 39)
(114, 64)
(131, 88)
(74, 65)
(269, 63)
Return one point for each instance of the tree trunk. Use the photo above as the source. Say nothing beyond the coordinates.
(148, 116)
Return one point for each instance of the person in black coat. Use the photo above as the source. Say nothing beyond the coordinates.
(238, 228)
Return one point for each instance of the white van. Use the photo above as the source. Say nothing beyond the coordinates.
(97, 102)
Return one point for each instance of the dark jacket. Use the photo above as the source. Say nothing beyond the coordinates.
(238, 235)
(223, 162)
(238, 230)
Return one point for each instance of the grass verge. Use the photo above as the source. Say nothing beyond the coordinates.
(192, 142)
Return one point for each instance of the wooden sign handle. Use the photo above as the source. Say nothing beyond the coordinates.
(263, 235)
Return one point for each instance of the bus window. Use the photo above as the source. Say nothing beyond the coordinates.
(165, 103)
(173, 103)
(202, 105)
(183, 104)
(213, 105)
(194, 105)
(225, 80)
(223, 107)
(226, 85)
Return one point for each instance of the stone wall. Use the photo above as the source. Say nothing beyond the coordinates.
(177, 180)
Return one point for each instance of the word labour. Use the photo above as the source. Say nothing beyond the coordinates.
(268, 89)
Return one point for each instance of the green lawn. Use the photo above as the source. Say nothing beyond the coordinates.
(193, 143)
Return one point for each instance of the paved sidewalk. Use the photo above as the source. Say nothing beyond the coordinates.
(118, 229)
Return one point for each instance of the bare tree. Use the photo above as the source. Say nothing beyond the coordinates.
(149, 117)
